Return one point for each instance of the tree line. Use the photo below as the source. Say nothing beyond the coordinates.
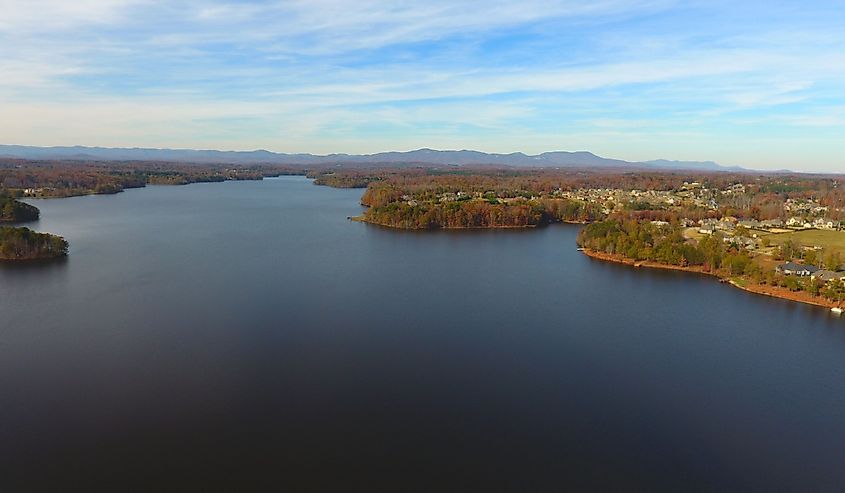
(664, 243)
(66, 178)
(389, 204)
(12, 210)
(26, 244)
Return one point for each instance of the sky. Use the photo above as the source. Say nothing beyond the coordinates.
(757, 84)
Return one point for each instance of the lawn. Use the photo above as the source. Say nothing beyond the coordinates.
(692, 233)
(829, 240)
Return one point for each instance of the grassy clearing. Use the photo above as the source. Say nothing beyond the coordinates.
(739, 282)
(829, 240)
(692, 233)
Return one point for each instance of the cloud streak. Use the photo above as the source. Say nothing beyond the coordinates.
(334, 76)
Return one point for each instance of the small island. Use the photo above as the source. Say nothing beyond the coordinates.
(26, 244)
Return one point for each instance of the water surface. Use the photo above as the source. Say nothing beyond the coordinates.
(246, 334)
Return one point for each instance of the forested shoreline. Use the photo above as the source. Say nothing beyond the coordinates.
(20, 243)
(663, 245)
(26, 244)
(702, 223)
(15, 211)
(462, 202)
(475, 215)
(67, 178)
(722, 224)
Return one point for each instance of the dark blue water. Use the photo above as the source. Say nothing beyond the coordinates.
(246, 335)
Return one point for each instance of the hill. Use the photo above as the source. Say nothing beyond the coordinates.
(556, 159)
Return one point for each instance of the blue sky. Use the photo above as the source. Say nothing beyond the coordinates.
(749, 83)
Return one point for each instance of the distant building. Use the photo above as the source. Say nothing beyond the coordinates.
(792, 268)
(824, 223)
(726, 225)
(750, 223)
(827, 275)
(771, 223)
(795, 222)
(746, 242)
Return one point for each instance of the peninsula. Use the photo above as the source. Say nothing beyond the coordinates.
(18, 243)
(15, 211)
(26, 244)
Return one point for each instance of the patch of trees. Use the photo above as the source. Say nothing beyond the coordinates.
(832, 290)
(637, 240)
(466, 202)
(640, 241)
(826, 259)
(12, 210)
(71, 178)
(353, 179)
(462, 214)
(26, 244)
(565, 210)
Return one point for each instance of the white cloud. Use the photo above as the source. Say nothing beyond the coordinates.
(331, 26)
(325, 72)
(47, 16)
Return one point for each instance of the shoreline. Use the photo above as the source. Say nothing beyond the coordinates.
(764, 290)
(361, 219)
(761, 289)
(31, 260)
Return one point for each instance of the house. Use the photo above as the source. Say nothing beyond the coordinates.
(798, 222)
(827, 275)
(750, 223)
(749, 243)
(725, 225)
(771, 223)
(792, 268)
(824, 223)
(743, 242)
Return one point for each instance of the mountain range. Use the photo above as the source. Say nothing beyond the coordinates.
(556, 159)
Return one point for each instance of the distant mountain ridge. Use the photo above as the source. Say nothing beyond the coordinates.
(554, 159)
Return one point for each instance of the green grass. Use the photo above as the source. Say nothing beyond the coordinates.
(829, 240)
(692, 233)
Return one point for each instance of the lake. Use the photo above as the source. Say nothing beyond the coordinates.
(246, 334)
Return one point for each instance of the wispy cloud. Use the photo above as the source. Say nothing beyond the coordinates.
(45, 16)
(333, 75)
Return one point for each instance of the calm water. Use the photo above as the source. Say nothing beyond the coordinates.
(245, 334)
